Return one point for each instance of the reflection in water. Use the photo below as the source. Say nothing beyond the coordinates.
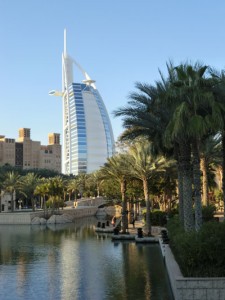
(70, 261)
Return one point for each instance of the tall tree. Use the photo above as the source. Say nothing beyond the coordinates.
(82, 182)
(195, 114)
(175, 114)
(56, 187)
(42, 189)
(210, 157)
(116, 167)
(11, 185)
(219, 94)
(147, 115)
(144, 166)
(94, 182)
(28, 185)
(73, 187)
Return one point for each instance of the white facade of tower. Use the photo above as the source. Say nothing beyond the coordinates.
(87, 133)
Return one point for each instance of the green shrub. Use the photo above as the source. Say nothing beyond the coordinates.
(55, 203)
(208, 213)
(199, 254)
(173, 212)
(157, 217)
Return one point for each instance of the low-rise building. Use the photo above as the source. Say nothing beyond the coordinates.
(6, 201)
(28, 154)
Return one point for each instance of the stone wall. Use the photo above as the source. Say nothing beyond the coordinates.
(200, 288)
(26, 217)
(185, 288)
(15, 218)
(80, 212)
(90, 202)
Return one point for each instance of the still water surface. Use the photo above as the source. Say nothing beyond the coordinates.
(72, 262)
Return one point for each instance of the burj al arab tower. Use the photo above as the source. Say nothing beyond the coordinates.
(87, 132)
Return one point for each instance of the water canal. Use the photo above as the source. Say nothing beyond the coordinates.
(73, 262)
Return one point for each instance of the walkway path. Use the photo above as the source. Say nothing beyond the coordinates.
(156, 230)
(138, 224)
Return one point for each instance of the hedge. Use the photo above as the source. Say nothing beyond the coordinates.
(199, 254)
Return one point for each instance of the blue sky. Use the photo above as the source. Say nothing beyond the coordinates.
(117, 42)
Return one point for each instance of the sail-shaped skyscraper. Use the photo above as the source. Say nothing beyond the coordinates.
(87, 132)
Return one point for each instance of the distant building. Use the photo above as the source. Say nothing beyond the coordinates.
(87, 132)
(7, 151)
(50, 155)
(6, 201)
(28, 154)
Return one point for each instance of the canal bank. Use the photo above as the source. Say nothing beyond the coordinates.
(191, 288)
(26, 218)
(184, 288)
(187, 288)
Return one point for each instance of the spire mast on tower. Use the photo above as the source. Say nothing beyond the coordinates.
(64, 51)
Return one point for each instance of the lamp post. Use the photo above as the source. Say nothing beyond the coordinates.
(20, 202)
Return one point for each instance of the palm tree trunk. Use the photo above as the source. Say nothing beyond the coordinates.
(180, 184)
(169, 198)
(223, 177)
(12, 202)
(197, 185)
(44, 205)
(185, 163)
(205, 185)
(32, 202)
(129, 211)
(123, 187)
(180, 194)
(148, 209)
(98, 190)
(135, 209)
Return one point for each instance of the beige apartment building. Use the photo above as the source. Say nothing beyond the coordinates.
(28, 154)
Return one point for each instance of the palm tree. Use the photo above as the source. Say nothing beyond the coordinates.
(147, 115)
(144, 166)
(28, 185)
(96, 180)
(116, 167)
(1, 182)
(11, 185)
(42, 189)
(82, 181)
(175, 115)
(210, 155)
(195, 113)
(219, 94)
(73, 187)
(56, 187)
